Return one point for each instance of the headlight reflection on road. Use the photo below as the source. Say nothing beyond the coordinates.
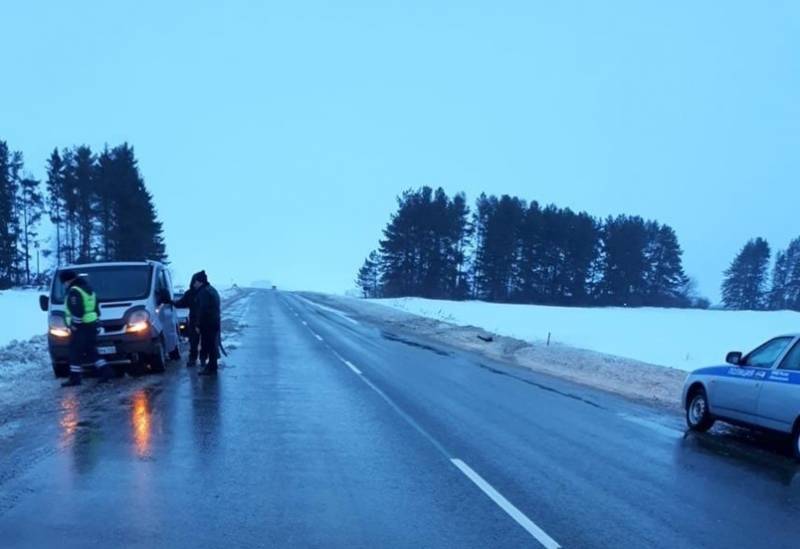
(69, 418)
(141, 419)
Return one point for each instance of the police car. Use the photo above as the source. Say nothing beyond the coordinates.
(760, 389)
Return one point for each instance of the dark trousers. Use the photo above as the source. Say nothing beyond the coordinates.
(83, 348)
(194, 344)
(209, 345)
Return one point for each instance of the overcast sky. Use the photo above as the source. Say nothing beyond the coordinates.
(275, 136)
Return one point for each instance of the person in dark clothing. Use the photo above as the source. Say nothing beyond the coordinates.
(189, 301)
(82, 313)
(208, 323)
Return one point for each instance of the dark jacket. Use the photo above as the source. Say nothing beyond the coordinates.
(208, 308)
(74, 301)
(188, 301)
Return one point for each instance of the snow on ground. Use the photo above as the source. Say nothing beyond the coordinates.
(20, 316)
(678, 338)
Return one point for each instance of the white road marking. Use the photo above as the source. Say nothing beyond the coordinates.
(329, 309)
(540, 535)
(519, 517)
(352, 366)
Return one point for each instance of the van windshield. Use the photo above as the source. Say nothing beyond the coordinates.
(112, 283)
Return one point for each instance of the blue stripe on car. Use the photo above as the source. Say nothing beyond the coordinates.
(743, 372)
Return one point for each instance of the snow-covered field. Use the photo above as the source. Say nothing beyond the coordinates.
(678, 338)
(20, 316)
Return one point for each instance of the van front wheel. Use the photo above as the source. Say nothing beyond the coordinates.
(158, 360)
(60, 369)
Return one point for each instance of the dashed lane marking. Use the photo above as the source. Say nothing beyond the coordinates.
(531, 527)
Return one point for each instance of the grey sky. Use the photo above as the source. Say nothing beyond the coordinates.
(275, 136)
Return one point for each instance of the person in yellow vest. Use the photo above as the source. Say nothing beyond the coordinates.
(82, 313)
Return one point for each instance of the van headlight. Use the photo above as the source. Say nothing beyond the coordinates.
(138, 322)
(58, 327)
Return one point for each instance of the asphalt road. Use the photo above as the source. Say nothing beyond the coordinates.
(326, 431)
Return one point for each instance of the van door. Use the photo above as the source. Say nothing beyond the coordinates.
(166, 312)
(779, 400)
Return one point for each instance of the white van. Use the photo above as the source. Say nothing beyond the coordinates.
(137, 329)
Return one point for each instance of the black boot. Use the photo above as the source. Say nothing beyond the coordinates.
(73, 381)
(210, 370)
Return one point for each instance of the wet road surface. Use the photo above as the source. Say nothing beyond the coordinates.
(325, 431)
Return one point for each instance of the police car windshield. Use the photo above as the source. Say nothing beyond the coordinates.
(114, 283)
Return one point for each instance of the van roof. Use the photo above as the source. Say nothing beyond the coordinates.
(110, 264)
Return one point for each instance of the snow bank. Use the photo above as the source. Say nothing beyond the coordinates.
(20, 316)
(678, 338)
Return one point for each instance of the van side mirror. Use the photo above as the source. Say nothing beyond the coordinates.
(734, 357)
(162, 297)
(44, 303)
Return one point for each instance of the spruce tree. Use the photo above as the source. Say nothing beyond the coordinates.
(369, 276)
(745, 281)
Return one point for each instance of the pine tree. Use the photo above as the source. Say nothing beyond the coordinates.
(80, 181)
(369, 276)
(785, 290)
(746, 278)
(498, 223)
(666, 281)
(55, 201)
(777, 293)
(106, 192)
(624, 263)
(136, 233)
(10, 166)
(30, 206)
(422, 252)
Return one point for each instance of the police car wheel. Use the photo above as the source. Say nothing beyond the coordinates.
(698, 418)
(796, 442)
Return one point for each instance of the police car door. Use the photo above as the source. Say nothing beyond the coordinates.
(735, 394)
(779, 401)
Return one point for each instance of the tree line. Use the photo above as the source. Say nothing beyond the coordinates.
(511, 250)
(97, 205)
(748, 283)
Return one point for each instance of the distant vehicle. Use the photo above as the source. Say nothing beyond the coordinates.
(182, 316)
(138, 328)
(274, 287)
(760, 389)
